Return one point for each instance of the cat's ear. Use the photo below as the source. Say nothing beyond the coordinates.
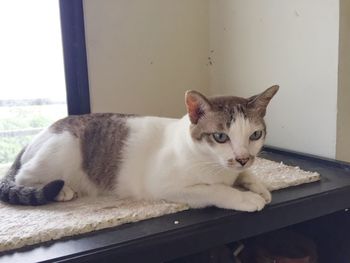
(197, 105)
(259, 102)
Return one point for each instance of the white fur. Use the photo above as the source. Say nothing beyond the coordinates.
(160, 161)
(66, 194)
(54, 156)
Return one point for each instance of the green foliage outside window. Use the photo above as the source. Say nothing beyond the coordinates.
(16, 119)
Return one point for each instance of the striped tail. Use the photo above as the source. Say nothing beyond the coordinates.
(26, 195)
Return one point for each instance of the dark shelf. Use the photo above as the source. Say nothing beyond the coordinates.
(159, 239)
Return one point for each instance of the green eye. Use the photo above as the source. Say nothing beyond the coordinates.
(256, 135)
(220, 137)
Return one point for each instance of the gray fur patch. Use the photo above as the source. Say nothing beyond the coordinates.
(102, 137)
(208, 138)
(224, 110)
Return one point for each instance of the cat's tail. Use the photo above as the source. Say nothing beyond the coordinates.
(26, 195)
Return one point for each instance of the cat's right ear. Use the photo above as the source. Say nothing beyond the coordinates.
(197, 105)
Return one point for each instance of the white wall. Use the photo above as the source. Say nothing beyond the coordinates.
(255, 44)
(143, 55)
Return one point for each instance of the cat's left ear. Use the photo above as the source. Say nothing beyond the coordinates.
(197, 105)
(259, 102)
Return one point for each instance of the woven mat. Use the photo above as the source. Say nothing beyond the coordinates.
(22, 225)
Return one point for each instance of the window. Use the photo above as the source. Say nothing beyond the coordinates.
(34, 77)
(32, 80)
(32, 73)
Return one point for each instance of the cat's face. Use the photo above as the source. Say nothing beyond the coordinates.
(230, 130)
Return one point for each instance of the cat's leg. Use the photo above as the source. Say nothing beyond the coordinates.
(28, 176)
(219, 195)
(250, 182)
(40, 171)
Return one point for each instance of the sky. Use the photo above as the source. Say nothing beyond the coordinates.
(31, 56)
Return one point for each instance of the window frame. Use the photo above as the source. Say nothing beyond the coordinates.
(75, 56)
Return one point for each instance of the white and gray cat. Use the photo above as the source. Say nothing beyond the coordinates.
(198, 159)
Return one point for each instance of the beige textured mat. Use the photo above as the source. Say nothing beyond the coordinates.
(21, 226)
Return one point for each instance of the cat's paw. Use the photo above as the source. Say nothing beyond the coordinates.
(261, 190)
(66, 194)
(266, 195)
(251, 202)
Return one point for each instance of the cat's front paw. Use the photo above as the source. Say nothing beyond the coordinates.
(251, 202)
(266, 195)
(261, 190)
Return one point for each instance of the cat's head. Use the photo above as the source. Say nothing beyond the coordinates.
(230, 130)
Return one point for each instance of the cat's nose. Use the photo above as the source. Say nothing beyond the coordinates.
(242, 161)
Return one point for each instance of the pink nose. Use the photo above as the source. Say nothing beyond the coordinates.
(242, 161)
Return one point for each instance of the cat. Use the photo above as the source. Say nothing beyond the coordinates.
(200, 159)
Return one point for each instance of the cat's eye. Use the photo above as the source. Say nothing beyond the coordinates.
(256, 135)
(220, 137)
